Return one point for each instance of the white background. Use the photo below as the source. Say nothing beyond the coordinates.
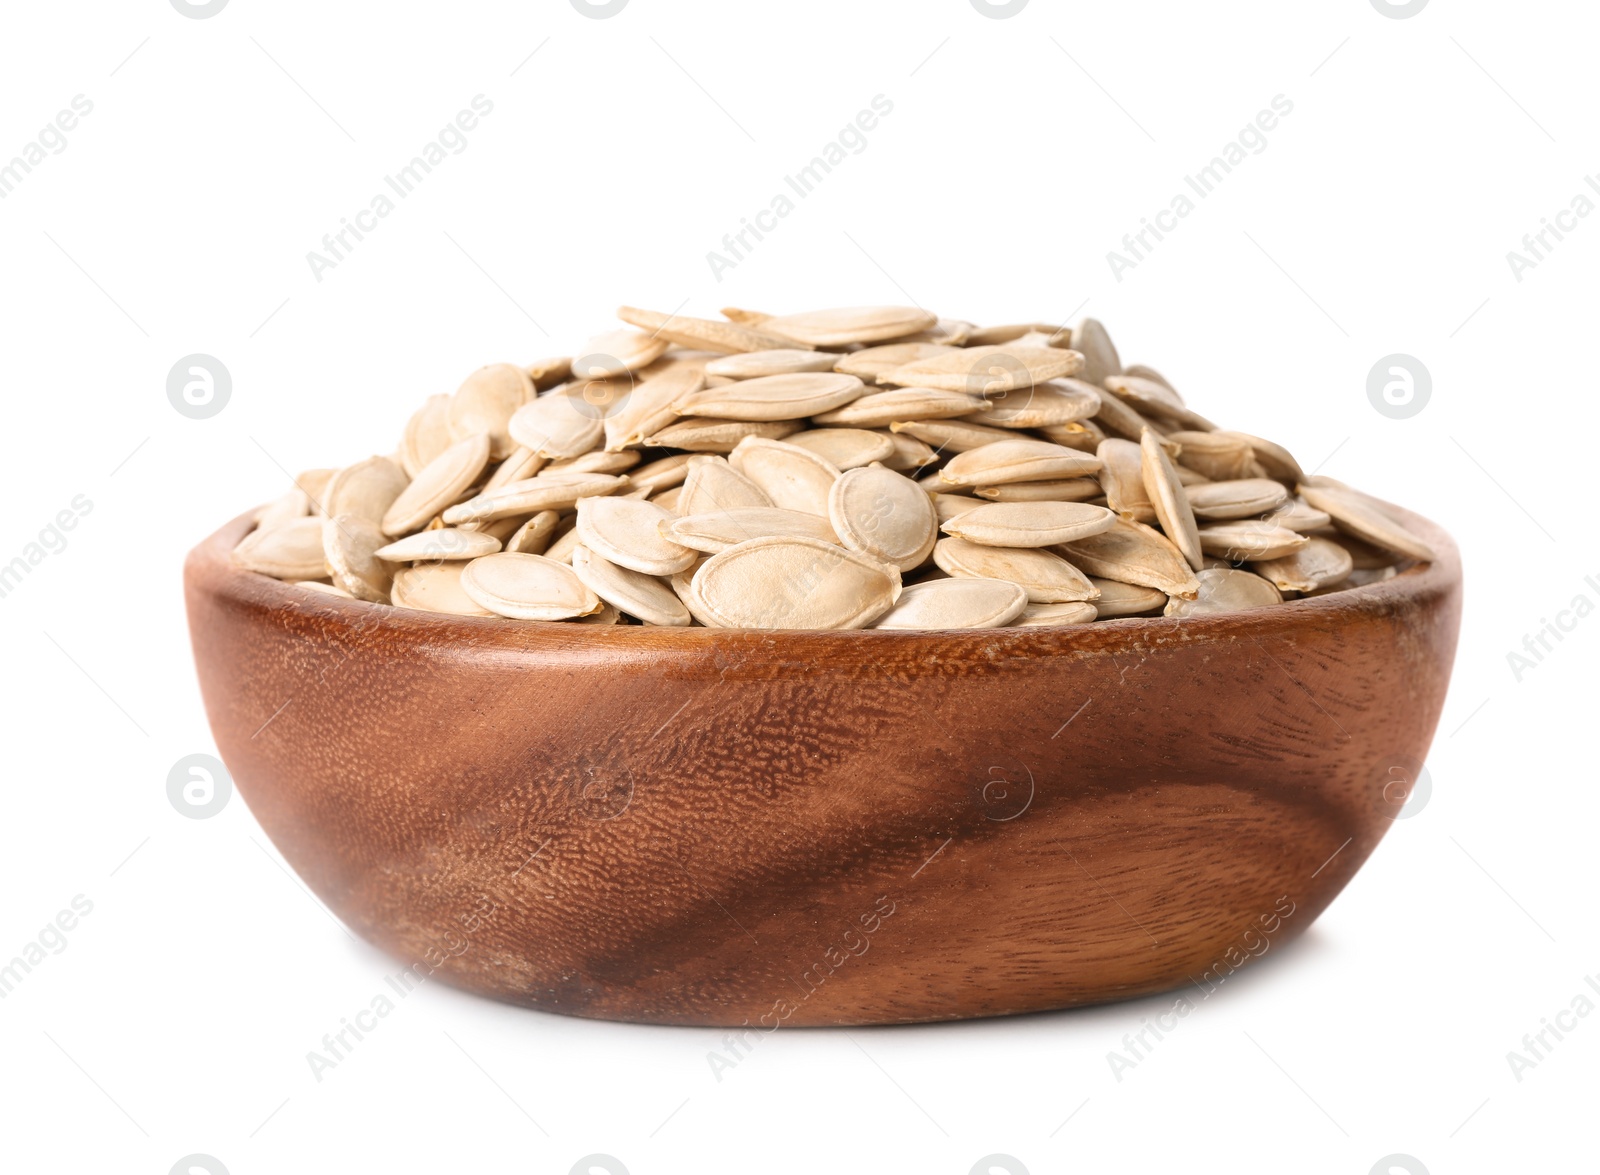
(1019, 151)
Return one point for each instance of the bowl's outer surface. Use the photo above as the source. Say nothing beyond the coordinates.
(711, 827)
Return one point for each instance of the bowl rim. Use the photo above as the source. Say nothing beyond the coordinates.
(209, 569)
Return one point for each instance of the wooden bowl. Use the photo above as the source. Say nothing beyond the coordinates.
(698, 826)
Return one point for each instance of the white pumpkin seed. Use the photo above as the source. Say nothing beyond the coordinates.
(846, 448)
(616, 353)
(1131, 552)
(533, 536)
(701, 434)
(427, 434)
(631, 591)
(1100, 358)
(794, 478)
(705, 332)
(350, 546)
(628, 532)
(1168, 498)
(560, 423)
(1317, 564)
(434, 587)
(1122, 476)
(292, 550)
(952, 436)
(1221, 456)
(1251, 539)
(1066, 489)
(527, 587)
(986, 371)
(485, 402)
(1246, 498)
(1016, 459)
(871, 362)
(1056, 615)
(878, 409)
(713, 484)
(1225, 591)
(1298, 514)
(1045, 576)
(1126, 599)
(1040, 406)
(850, 324)
(956, 603)
(1029, 524)
(445, 543)
(437, 485)
(884, 515)
(717, 530)
(755, 364)
(786, 583)
(533, 495)
(366, 489)
(773, 397)
(1362, 517)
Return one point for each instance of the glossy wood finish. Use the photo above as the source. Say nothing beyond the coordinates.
(708, 827)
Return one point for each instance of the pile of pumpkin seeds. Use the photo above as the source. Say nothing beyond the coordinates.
(851, 468)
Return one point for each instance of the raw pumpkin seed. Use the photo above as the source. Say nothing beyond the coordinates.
(879, 513)
(1246, 498)
(1225, 590)
(850, 324)
(527, 587)
(846, 448)
(1045, 576)
(1315, 565)
(1255, 540)
(956, 603)
(1168, 499)
(785, 471)
(779, 583)
(628, 532)
(1029, 524)
(447, 542)
(717, 530)
(1054, 615)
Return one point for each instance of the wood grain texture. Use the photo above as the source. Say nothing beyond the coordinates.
(709, 827)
